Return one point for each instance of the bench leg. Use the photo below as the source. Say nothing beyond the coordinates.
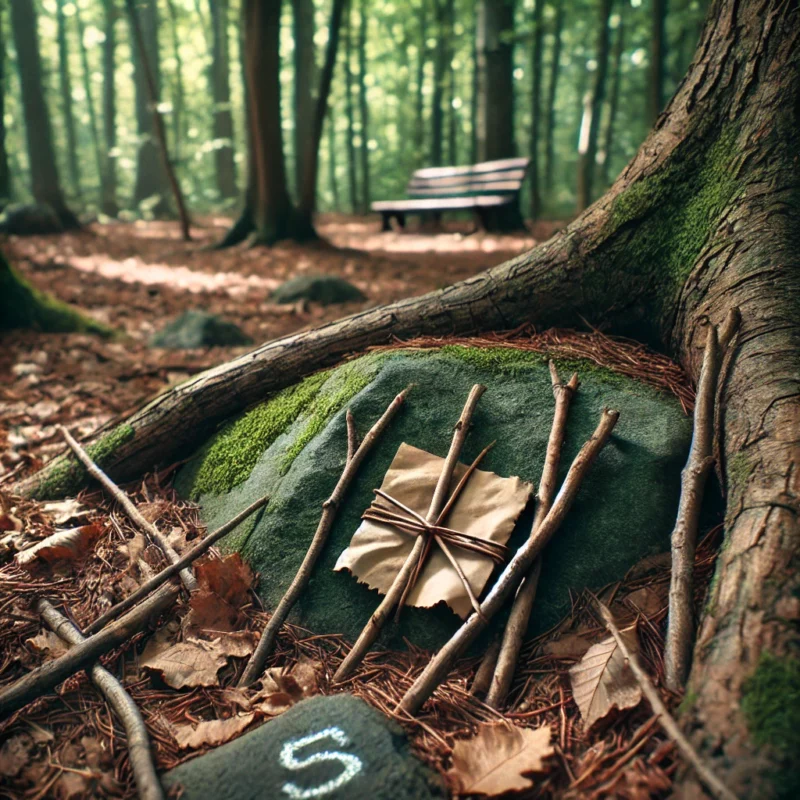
(401, 220)
(386, 220)
(481, 220)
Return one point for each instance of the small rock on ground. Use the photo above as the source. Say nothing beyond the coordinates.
(199, 329)
(327, 290)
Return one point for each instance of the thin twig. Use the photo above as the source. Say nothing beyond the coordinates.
(483, 675)
(352, 435)
(704, 772)
(680, 627)
(517, 623)
(135, 515)
(255, 666)
(396, 591)
(47, 676)
(728, 343)
(148, 786)
(191, 555)
(438, 667)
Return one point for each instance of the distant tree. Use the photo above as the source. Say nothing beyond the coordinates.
(178, 91)
(111, 14)
(452, 111)
(419, 105)
(352, 169)
(5, 174)
(45, 184)
(613, 102)
(219, 72)
(536, 109)
(655, 88)
(332, 180)
(305, 76)
(67, 103)
(363, 111)
(552, 90)
(440, 59)
(590, 129)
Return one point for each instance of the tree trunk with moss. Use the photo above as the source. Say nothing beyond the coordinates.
(703, 220)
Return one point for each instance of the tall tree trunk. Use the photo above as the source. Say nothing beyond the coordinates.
(109, 204)
(65, 86)
(452, 111)
(178, 94)
(590, 128)
(702, 220)
(332, 180)
(352, 175)
(219, 73)
(308, 194)
(363, 107)
(87, 88)
(536, 108)
(496, 95)
(45, 185)
(5, 175)
(475, 95)
(304, 80)
(422, 55)
(655, 87)
(151, 181)
(613, 103)
(439, 81)
(552, 91)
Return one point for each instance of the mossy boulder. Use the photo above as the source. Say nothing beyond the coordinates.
(293, 447)
(327, 290)
(31, 219)
(334, 747)
(194, 329)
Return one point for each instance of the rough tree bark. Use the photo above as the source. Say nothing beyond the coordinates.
(45, 184)
(702, 220)
(219, 74)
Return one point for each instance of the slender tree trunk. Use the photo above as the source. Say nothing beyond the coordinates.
(702, 221)
(308, 194)
(439, 81)
(332, 180)
(536, 108)
(109, 204)
(352, 175)
(67, 103)
(45, 184)
(613, 103)
(87, 88)
(224, 164)
(422, 55)
(590, 128)
(552, 92)
(655, 88)
(452, 111)
(475, 94)
(5, 175)
(304, 79)
(363, 106)
(178, 92)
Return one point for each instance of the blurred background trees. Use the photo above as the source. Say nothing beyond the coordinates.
(573, 84)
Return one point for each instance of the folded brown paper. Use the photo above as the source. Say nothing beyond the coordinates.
(487, 508)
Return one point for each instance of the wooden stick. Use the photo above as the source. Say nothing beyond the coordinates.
(148, 787)
(397, 589)
(517, 624)
(704, 772)
(191, 555)
(47, 676)
(255, 666)
(352, 434)
(483, 675)
(680, 626)
(438, 667)
(135, 515)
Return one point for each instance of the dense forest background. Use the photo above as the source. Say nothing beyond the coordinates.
(411, 81)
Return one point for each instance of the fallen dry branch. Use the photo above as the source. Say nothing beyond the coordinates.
(397, 590)
(680, 630)
(704, 772)
(130, 509)
(51, 673)
(523, 603)
(185, 560)
(438, 667)
(144, 772)
(255, 666)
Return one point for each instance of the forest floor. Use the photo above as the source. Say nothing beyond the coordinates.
(136, 278)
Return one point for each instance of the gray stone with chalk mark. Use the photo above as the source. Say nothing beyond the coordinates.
(325, 747)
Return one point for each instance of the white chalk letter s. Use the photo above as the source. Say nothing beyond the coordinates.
(352, 764)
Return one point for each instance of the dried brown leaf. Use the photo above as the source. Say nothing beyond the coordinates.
(192, 663)
(62, 511)
(499, 759)
(48, 642)
(68, 545)
(571, 645)
(602, 680)
(209, 612)
(229, 578)
(211, 732)
(15, 754)
(649, 600)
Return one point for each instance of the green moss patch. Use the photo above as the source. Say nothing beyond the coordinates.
(624, 511)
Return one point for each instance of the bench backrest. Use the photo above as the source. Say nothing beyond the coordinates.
(489, 177)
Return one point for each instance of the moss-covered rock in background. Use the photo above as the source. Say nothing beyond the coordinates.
(327, 290)
(199, 329)
(294, 447)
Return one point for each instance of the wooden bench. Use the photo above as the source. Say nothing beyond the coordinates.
(478, 188)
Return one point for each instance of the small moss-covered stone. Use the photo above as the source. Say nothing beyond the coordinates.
(334, 747)
(624, 510)
(199, 329)
(31, 219)
(327, 290)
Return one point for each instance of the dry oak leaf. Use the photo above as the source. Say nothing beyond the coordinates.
(499, 759)
(191, 663)
(69, 545)
(571, 645)
(602, 679)
(62, 511)
(211, 732)
(229, 578)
